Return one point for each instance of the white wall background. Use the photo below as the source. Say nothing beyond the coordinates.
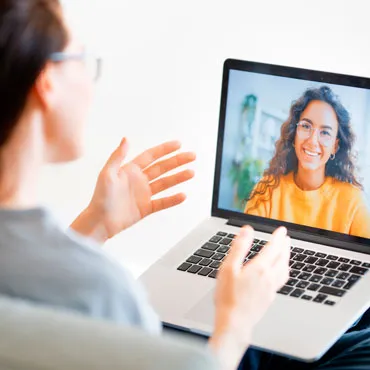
(161, 80)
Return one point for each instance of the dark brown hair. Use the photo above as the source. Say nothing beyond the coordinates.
(30, 30)
(285, 159)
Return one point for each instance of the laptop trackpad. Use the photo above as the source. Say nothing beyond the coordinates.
(204, 310)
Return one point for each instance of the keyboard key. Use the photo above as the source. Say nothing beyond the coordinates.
(320, 298)
(366, 264)
(291, 262)
(194, 259)
(262, 242)
(303, 284)
(231, 236)
(298, 250)
(205, 262)
(311, 260)
(349, 285)
(292, 255)
(331, 273)
(215, 265)
(309, 252)
(299, 257)
(306, 297)
(338, 283)
(298, 265)
(322, 262)
(355, 262)
(327, 281)
(184, 266)
(213, 274)
(344, 260)
(225, 241)
(309, 268)
(194, 269)
(343, 275)
(297, 293)
(218, 257)
(320, 255)
(315, 278)
(223, 249)
(292, 282)
(285, 290)
(221, 233)
(205, 271)
(358, 270)
(345, 267)
(304, 276)
(314, 287)
(320, 271)
(332, 258)
(354, 278)
(210, 246)
(204, 253)
(333, 265)
(215, 239)
(329, 303)
(256, 248)
(252, 255)
(256, 241)
(332, 291)
(294, 273)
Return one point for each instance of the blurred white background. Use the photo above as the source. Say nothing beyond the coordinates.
(162, 79)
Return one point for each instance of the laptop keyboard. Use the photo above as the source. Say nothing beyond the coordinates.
(314, 276)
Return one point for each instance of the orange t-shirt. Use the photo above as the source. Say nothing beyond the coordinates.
(336, 206)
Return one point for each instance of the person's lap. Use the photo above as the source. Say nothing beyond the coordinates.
(352, 351)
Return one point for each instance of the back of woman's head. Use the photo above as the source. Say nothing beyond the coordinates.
(30, 30)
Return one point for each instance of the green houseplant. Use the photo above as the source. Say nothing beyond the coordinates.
(244, 176)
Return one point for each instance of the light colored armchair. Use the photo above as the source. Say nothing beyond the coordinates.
(36, 338)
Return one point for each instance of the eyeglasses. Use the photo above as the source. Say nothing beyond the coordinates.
(305, 131)
(93, 63)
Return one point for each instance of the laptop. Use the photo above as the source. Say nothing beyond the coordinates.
(329, 283)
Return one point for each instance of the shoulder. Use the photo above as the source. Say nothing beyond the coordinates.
(348, 192)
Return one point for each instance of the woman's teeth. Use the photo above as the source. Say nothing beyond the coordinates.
(312, 154)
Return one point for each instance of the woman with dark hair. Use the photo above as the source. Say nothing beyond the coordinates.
(311, 177)
(45, 90)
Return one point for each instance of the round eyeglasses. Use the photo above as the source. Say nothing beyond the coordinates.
(305, 130)
(93, 63)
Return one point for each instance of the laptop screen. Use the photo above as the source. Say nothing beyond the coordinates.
(296, 150)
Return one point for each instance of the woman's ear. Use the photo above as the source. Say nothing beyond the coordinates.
(43, 86)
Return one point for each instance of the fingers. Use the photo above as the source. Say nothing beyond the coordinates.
(281, 266)
(167, 202)
(117, 157)
(151, 155)
(170, 181)
(160, 168)
(274, 247)
(240, 247)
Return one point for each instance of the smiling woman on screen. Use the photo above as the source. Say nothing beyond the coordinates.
(310, 180)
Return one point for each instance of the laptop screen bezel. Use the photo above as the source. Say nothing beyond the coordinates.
(320, 235)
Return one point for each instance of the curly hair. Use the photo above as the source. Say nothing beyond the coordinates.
(285, 159)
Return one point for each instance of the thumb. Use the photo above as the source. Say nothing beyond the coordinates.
(117, 157)
(240, 247)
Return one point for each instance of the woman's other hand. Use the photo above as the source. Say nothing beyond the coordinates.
(245, 292)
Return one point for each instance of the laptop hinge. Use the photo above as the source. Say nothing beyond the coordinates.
(304, 236)
(257, 226)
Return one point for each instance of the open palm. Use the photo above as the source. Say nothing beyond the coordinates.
(124, 193)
